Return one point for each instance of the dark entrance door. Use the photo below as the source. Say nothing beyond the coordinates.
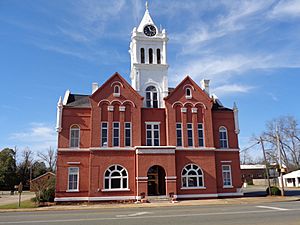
(156, 181)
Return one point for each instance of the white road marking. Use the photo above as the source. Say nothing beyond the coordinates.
(134, 214)
(269, 207)
(137, 217)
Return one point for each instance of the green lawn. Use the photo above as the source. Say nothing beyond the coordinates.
(24, 204)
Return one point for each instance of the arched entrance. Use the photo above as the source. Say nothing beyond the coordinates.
(156, 181)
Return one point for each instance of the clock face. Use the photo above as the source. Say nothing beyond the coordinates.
(149, 30)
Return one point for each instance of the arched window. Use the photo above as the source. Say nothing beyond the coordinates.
(223, 137)
(116, 90)
(188, 93)
(74, 136)
(192, 176)
(158, 55)
(150, 55)
(116, 177)
(142, 55)
(151, 97)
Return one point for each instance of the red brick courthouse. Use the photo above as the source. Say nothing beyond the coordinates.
(125, 140)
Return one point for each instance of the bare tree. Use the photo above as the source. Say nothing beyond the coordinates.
(289, 136)
(49, 157)
(24, 166)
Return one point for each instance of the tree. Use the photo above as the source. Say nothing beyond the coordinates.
(38, 168)
(25, 167)
(49, 157)
(289, 136)
(8, 176)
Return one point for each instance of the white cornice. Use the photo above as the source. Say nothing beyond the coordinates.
(195, 148)
(153, 66)
(154, 151)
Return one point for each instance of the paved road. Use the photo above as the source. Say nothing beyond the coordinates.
(244, 214)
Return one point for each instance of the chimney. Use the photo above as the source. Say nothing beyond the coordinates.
(205, 86)
(94, 87)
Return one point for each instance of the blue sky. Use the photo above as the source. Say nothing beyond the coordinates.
(249, 49)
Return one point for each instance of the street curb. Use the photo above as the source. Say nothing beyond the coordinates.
(203, 202)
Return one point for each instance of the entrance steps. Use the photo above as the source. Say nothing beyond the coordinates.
(157, 199)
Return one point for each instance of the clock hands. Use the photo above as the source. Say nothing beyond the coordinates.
(149, 30)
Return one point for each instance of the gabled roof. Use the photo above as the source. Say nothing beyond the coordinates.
(218, 106)
(293, 174)
(78, 101)
(116, 74)
(181, 84)
(43, 175)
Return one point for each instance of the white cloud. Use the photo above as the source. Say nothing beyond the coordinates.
(38, 137)
(220, 68)
(237, 16)
(286, 8)
(273, 97)
(231, 89)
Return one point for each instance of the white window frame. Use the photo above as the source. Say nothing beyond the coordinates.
(223, 129)
(72, 173)
(117, 94)
(186, 94)
(110, 177)
(152, 124)
(187, 131)
(75, 127)
(130, 129)
(151, 97)
(103, 143)
(223, 176)
(143, 59)
(202, 129)
(186, 176)
(158, 56)
(181, 138)
(150, 55)
(113, 134)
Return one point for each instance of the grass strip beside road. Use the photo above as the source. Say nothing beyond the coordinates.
(24, 205)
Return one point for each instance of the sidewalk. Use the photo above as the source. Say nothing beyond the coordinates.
(204, 202)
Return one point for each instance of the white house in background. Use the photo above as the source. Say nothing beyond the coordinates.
(291, 179)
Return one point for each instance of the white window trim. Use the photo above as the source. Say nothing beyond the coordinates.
(117, 94)
(227, 186)
(224, 139)
(192, 129)
(125, 134)
(140, 55)
(152, 132)
(181, 129)
(121, 182)
(157, 56)
(151, 96)
(107, 130)
(203, 135)
(70, 139)
(73, 190)
(113, 137)
(152, 55)
(188, 96)
(197, 187)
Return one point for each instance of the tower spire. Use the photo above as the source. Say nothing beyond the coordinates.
(146, 4)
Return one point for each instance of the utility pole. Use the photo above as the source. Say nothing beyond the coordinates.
(267, 169)
(280, 162)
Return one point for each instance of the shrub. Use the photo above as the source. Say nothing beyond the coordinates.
(274, 190)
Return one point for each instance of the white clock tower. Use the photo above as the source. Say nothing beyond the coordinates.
(149, 68)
